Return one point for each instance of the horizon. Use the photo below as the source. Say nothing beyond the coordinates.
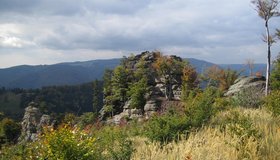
(120, 59)
(49, 32)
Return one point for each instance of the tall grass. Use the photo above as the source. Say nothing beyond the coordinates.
(212, 142)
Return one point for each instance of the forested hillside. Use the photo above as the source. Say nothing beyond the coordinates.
(54, 99)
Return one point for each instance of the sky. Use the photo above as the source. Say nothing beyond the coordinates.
(51, 31)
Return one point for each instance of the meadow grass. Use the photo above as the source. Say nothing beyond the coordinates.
(213, 143)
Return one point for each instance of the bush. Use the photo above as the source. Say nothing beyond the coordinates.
(200, 108)
(16, 152)
(249, 97)
(68, 143)
(169, 127)
(87, 118)
(242, 127)
(221, 104)
(70, 119)
(10, 130)
(65, 143)
(113, 143)
(272, 102)
(166, 128)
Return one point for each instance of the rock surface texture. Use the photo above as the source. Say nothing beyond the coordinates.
(244, 83)
(32, 123)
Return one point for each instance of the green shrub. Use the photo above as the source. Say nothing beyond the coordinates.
(10, 130)
(15, 152)
(272, 102)
(200, 108)
(240, 126)
(66, 143)
(169, 127)
(166, 128)
(114, 143)
(236, 124)
(87, 118)
(70, 119)
(250, 97)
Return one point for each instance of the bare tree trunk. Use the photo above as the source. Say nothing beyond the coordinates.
(268, 59)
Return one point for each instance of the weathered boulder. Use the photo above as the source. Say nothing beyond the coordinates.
(246, 83)
(29, 123)
(32, 123)
(150, 108)
(126, 114)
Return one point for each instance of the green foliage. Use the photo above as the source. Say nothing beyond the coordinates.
(200, 108)
(272, 102)
(275, 75)
(65, 143)
(109, 109)
(60, 99)
(10, 104)
(238, 125)
(137, 93)
(114, 143)
(107, 89)
(115, 88)
(16, 152)
(10, 130)
(221, 104)
(170, 126)
(139, 87)
(167, 128)
(88, 118)
(120, 83)
(250, 97)
(97, 95)
(68, 143)
(70, 119)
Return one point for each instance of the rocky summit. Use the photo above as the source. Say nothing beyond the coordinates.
(161, 85)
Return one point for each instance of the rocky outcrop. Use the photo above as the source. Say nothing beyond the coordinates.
(160, 86)
(244, 83)
(150, 108)
(32, 123)
(128, 113)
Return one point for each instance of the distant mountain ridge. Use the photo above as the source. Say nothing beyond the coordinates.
(258, 67)
(69, 73)
(72, 73)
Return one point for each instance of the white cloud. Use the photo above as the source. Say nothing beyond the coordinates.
(215, 30)
(14, 42)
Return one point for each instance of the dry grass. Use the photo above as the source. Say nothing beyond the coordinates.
(210, 143)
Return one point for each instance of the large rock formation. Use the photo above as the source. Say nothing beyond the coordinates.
(32, 123)
(158, 88)
(156, 82)
(244, 83)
